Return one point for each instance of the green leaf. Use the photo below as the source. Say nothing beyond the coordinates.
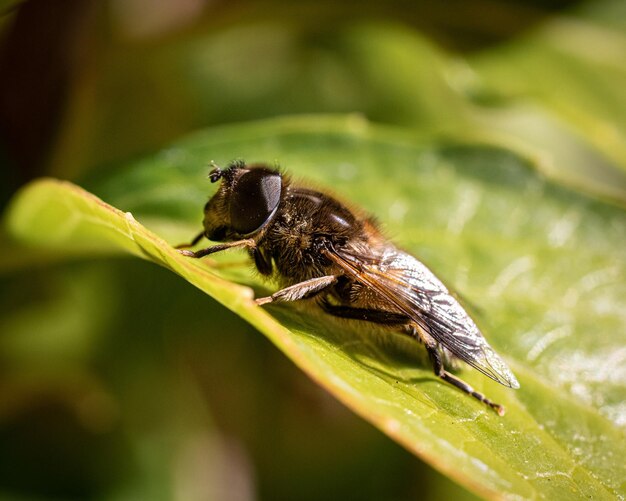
(560, 91)
(544, 267)
(540, 95)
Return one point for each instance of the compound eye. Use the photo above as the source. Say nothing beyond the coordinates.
(255, 197)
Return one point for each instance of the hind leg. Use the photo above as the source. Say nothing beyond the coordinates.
(434, 354)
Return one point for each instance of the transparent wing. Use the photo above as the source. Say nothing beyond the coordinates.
(414, 290)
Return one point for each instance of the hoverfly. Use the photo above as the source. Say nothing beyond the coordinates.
(317, 248)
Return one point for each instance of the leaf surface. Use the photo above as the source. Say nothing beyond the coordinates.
(542, 269)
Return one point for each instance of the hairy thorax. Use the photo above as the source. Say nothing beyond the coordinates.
(307, 224)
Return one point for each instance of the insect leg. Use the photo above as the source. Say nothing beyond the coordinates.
(218, 248)
(195, 240)
(366, 314)
(435, 356)
(302, 290)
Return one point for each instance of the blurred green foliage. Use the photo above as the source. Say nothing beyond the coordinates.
(119, 381)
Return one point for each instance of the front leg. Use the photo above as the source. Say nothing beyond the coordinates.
(302, 290)
(218, 248)
(193, 243)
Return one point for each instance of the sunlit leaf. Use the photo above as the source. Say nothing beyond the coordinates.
(542, 267)
(563, 85)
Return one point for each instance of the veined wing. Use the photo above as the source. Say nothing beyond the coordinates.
(413, 289)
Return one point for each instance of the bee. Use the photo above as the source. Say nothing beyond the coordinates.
(319, 249)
